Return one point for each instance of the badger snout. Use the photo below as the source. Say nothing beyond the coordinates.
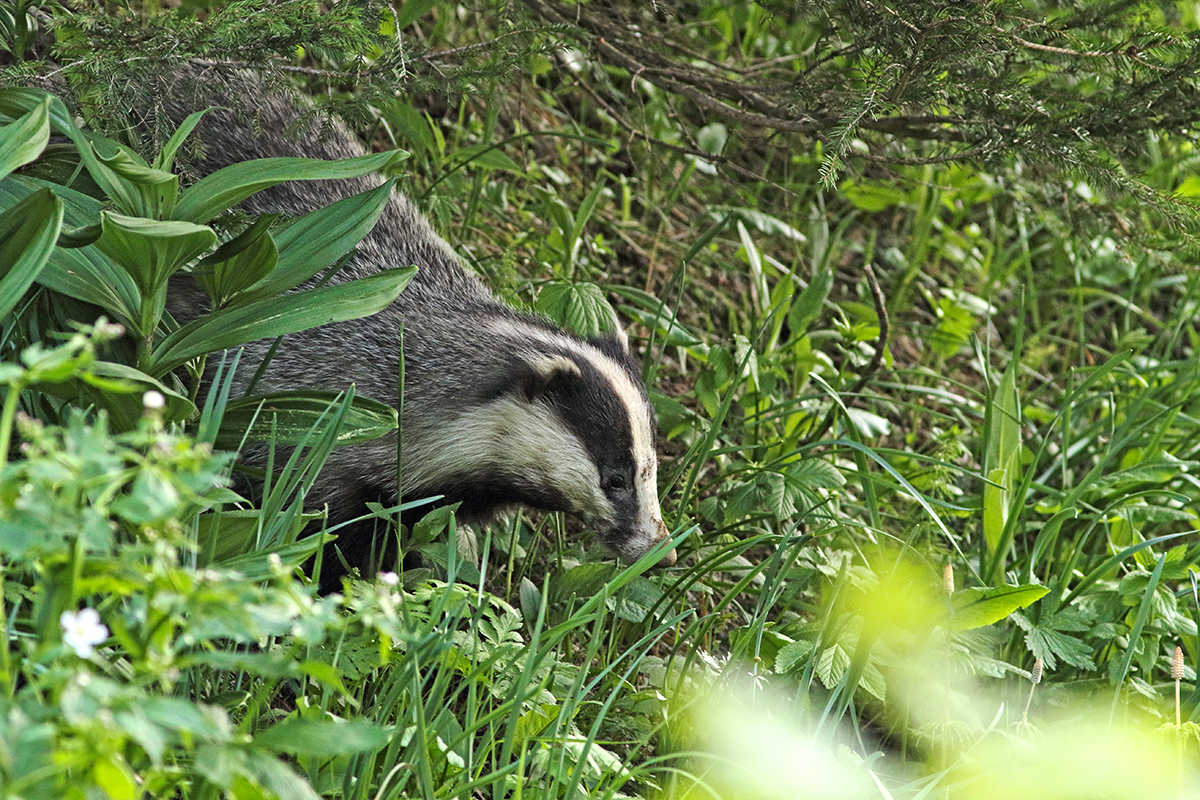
(663, 534)
(631, 543)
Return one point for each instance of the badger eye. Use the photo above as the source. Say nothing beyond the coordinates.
(614, 483)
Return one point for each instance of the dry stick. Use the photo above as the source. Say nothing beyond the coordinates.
(876, 360)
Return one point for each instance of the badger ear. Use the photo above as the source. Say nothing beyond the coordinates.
(614, 345)
(540, 373)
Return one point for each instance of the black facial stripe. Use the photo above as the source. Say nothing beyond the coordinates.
(591, 409)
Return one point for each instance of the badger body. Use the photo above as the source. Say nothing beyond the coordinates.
(500, 408)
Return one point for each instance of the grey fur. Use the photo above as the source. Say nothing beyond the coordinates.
(471, 362)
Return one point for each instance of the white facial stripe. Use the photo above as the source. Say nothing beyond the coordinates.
(650, 529)
(524, 441)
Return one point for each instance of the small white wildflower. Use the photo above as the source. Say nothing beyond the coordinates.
(153, 400)
(275, 561)
(108, 330)
(389, 578)
(83, 631)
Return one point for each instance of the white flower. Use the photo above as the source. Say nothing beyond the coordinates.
(389, 578)
(153, 400)
(83, 631)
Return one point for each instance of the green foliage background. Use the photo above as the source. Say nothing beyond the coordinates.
(914, 284)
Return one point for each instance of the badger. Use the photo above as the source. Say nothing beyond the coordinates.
(500, 408)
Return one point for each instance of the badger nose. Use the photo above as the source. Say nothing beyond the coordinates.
(663, 534)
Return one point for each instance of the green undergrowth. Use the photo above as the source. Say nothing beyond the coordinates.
(929, 454)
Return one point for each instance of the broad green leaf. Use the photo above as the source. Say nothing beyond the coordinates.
(88, 275)
(654, 314)
(231, 536)
(226, 534)
(279, 316)
(166, 156)
(154, 190)
(487, 156)
(16, 102)
(231, 185)
(323, 738)
(807, 307)
(130, 166)
(24, 140)
(256, 564)
(1002, 458)
(753, 218)
(150, 250)
(238, 263)
(975, 608)
(531, 600)
(118, 389)
(995, 505)
(873, 196)
(85, 274)
(411, 12)
(28, 231)
(274, 776)
(288, 417)
(317, 240)
(712, 138)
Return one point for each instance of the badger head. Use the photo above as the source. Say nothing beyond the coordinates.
(549, 421)
(577, 433)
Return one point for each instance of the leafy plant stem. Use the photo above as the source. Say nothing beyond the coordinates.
(6, 673)
(11, 400)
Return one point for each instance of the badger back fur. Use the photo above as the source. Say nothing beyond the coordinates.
(500, 408)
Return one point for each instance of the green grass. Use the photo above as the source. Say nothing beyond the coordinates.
(1022, 419)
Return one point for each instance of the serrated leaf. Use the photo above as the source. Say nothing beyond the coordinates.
(582, 307)
(816, 473)
(793, 656)
(977, 607)
(1051, 645)
(831, 665)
